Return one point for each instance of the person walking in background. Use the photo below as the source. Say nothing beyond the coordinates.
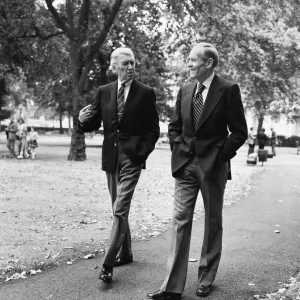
(23, 139)
(251, 140)
(261, 139)
(32, 142)
(11, 136)
(127, 109)
(273, 141)
(205, 112)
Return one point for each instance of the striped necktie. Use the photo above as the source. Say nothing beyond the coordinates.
(198, 105)
(121, 101)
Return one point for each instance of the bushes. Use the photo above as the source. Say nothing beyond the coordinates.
(288, 142)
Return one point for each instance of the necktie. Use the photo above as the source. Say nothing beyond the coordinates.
(121, 101)
(198, 105)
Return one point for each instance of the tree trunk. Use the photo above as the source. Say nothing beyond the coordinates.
(69, 121)
(77, 147)
(260, 121)
(60, 123)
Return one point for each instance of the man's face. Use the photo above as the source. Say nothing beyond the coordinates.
(125, 67)
(198, 64)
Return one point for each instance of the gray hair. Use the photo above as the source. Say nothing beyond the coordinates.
(115, 54)
(210, 52)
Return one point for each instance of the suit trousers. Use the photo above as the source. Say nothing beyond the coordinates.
(121, 185)
(190, 180)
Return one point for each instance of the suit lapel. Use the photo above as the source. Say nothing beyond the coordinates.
(213, 96)
(113, 98)
(187, 107)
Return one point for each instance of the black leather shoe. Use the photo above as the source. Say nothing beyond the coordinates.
(123, 261)
(161, 295)
(203, 291)
(106, 274)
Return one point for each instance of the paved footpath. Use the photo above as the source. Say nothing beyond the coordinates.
(254, 259)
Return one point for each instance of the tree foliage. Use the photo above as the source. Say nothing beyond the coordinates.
(258, 43)
(259, 46)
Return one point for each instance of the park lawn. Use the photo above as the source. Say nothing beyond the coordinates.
(55, 211)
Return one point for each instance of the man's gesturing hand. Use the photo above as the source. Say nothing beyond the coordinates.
(85, 113)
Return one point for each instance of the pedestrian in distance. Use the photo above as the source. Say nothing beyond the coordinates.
(32, 142)
(251, 140)
(205, 112)
(273, 141)
(127, 110)
(261, 139)
(12, 136)
(22, 132)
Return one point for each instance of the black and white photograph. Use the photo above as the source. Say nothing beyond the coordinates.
(149, 149)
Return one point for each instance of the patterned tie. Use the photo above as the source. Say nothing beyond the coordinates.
(198, 105)
(121, 102)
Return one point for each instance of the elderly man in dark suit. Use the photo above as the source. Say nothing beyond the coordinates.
(207, 128)
(127, 109)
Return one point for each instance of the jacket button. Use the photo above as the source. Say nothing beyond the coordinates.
(115, 144)
(191, 152)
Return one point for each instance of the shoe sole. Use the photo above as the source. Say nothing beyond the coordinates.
(203, 295)
(125, 262)
(105, 280)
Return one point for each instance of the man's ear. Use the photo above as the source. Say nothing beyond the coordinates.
(209, 62)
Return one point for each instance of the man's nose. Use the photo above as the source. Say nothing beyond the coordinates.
(130, 66)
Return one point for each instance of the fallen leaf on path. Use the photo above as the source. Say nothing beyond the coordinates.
(56, 255)
(251, 284)
(88, 256)
(192, 260)
(277, 231)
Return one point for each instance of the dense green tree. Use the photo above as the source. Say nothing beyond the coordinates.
(85, 37)
(258, 41)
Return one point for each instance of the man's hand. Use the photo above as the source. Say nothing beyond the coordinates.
(85, 113)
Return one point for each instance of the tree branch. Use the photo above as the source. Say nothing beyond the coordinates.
(116, 7)
(38, 35)
(57, 18)
(84, 15)
(100, 40)
(70, 14)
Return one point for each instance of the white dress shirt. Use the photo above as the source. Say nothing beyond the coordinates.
(126, 88)
(207, 82)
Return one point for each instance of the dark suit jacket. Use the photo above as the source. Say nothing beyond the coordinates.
(138, 129)
(211, 141)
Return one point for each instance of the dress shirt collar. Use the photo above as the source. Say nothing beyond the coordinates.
(127, 83)
(207, 82)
